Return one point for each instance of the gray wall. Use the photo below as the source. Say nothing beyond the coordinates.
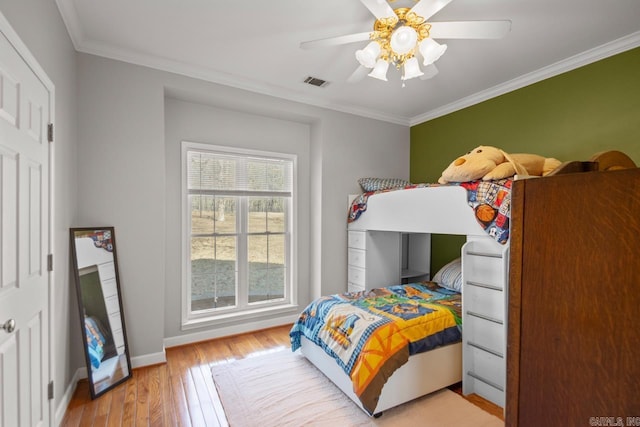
(121, 183)
(129, 174)
(39, 25)
(189, 121)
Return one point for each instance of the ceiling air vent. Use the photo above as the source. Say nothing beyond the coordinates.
(314, 81)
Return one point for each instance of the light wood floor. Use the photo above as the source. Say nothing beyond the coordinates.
(181, 392)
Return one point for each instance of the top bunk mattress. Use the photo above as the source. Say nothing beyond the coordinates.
(476, 208)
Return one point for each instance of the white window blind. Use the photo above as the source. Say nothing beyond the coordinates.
(227, 174)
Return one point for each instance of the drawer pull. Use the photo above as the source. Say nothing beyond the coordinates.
(484, 380)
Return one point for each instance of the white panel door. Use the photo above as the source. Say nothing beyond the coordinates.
(24, 222)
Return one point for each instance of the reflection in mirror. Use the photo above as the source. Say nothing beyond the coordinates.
(100, 307)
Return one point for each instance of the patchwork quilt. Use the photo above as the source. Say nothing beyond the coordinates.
(490, 201)
(372, 333)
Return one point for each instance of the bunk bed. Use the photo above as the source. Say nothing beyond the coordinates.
(479, 360)
(377, 220)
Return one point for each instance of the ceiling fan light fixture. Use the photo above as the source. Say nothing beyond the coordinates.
(411, 69)
(403, 37)
(403, 40)
(380, 70)
(431, 50)
(367, 57)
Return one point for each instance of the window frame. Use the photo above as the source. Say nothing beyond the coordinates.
(244, 309)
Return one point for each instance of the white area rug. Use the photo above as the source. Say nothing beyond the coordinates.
(284, 389)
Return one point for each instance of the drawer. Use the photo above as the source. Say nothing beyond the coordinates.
(489, 302)
(357, 239)
(356, 275)
(107, 271)
(109, 287)
(356, 257)
(115, 322)
(118, 338)
(484, 333)
(112, 304)
(354, 287)
(486, 366)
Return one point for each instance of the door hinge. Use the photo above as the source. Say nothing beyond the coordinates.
(50, 262)
(50, 132)
(50, 390)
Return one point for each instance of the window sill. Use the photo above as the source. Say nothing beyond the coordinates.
(235, 317)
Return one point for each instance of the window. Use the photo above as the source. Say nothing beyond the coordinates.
(237, 231)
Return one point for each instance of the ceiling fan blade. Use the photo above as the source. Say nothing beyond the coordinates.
(334, 41)
(358, 74)
(469, 29)
(380, 8)
(428, 8)
(429, 72)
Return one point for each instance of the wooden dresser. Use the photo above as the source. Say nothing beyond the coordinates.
(573, 349)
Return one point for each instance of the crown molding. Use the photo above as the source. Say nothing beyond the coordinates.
(81, 44)
(205, 74)
(71, 21)
(590, 56)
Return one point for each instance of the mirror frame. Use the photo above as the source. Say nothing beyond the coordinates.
(114, 371)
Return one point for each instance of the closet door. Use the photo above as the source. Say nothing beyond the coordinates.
(574, 299)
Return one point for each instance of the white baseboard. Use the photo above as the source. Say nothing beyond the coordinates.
(81, 374)
(68, 394)
(149, 359)
(228, 330)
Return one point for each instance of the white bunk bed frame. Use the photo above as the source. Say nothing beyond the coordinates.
(438, 210)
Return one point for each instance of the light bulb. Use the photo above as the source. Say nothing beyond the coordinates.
(403, 40)
(431, 50)
(411, 69)
(380, 70)
(367, 56)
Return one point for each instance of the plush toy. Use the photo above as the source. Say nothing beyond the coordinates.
(491, 163)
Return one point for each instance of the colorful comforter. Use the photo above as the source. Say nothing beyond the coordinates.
(490, 201)
(372, 333)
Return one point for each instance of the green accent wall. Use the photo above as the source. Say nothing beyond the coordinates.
(570, 117)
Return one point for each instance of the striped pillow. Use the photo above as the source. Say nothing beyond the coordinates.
(450, 276)
(377, 184)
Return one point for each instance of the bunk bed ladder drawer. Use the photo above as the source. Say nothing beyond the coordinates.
(357, 257)
(356, 275)
(356, 239)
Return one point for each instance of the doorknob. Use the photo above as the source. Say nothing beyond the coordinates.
(9, 326)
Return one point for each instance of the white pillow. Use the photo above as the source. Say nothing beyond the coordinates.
(450, 276)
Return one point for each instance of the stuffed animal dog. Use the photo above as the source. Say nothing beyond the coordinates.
(491, 163)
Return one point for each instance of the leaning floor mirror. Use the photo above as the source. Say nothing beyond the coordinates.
(100, 306)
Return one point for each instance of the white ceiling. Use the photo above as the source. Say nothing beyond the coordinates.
(254, 45)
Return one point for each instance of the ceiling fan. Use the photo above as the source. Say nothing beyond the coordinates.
(400, 36)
